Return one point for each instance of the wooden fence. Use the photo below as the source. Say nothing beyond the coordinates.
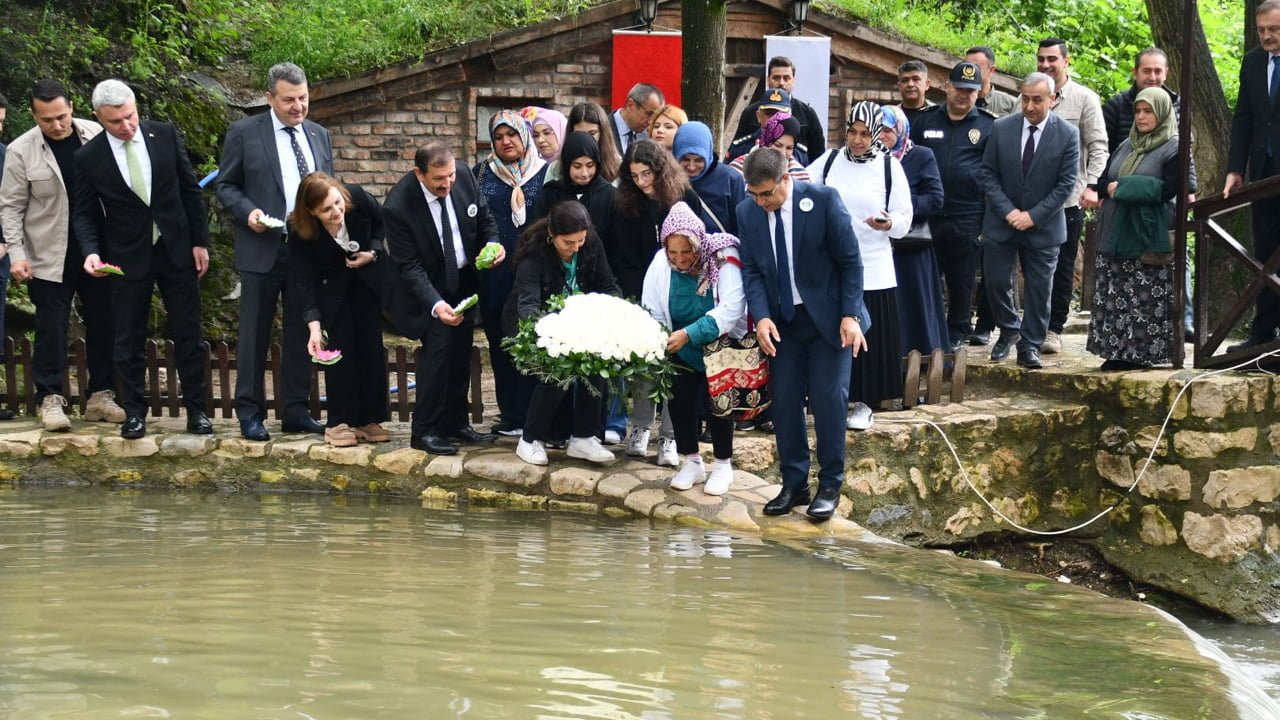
(164, 390)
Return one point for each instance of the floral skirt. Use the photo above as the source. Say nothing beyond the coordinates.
(1132, 318)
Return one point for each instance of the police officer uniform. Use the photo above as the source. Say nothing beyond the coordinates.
(774, 100)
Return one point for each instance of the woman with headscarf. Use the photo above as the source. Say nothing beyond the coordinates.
(922, 314)
(695, 287)
(511, 181)
(664, 125)
(1132, 320)
(719, 187)
(779, 131)
(547, 129)
(878, 197)
(590, 118)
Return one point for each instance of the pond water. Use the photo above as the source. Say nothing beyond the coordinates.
(141, 605)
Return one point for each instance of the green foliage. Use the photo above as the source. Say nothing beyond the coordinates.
(1103, 36)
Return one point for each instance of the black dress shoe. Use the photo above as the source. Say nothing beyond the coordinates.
(980, 338)
(1029, 359)
(304, 424)
(508, 429)
(1000, 351)
(133, 428)
(824, 504)
(433, 444)
(470, 435)
(787, 499)
(252, 429)
(198, 423)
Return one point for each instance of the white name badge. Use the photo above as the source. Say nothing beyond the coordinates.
(934, 134)
(806, 204)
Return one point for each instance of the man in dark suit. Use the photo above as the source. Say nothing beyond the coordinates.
(1029, 170)
(436, 222)
(138, 205)
(781, 75)
(631, 121)
(264, 158)
(1255, 140)
(803, 277)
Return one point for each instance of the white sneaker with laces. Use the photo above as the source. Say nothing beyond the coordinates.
(667, 454)
(52, 414)
(692, 472)
(611, 437)
(533, 453)
(638, 442)
(721, 478)
(588, 448)
(860, 417)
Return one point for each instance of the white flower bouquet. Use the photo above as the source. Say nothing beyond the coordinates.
(585, 337)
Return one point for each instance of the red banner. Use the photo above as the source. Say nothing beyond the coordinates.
(654, 58)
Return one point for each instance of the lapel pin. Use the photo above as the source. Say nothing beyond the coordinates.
(472, 210)
(806, 204)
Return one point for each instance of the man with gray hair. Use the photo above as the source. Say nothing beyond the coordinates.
(631, 121)
(138, 206)
(1029, 170)
(264, 159)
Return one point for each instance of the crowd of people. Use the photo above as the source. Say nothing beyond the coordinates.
(840, 259)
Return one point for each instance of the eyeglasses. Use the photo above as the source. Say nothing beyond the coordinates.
(766, 194)
(642, 175)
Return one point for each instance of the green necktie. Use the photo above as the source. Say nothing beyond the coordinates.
(137, 182)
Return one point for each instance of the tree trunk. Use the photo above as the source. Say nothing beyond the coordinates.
(1210, 124)
(704, 23)
(1251, 24)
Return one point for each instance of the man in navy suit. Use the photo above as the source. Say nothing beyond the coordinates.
(264, 159)
(1255, 141)
(1029, 170)
(137, 205)
(803, 277)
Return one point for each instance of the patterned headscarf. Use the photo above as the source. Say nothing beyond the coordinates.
(681, 220)
(775, 127)
(897, 119)
(515, 174)
(867, 113)
(554, 119)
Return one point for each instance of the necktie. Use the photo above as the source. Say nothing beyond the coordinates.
(298, 157)
(631, 135)
(786, 303)
(137, 182)
(446, 244)
(1029, 150)
(1275, 78)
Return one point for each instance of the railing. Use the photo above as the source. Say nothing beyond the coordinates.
(164, 390)
(1211, 234)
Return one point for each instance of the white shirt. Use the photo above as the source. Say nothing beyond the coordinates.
(861, 187)
(122, 161)
(436, 204)
(288, 163)
(787, 229)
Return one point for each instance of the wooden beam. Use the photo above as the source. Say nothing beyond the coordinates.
(745, 98)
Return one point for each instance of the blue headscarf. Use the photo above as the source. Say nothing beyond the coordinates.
(694, 138)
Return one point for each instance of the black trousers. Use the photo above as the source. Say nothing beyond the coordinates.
(688, 393)
(53, 301)
(357, 384)
(1266, 238)
(181, 295)
(547, 403)
(259, 293)
(955, 242)
(1064, 275)
(443, 377)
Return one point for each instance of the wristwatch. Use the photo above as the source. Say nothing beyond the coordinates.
(854, 318)
(374, 253)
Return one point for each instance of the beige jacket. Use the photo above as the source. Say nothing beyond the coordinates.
(1081, 107)
(34, 209)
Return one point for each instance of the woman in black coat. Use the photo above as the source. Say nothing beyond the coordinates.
(557, 255)
(578, 178)
(335, 239)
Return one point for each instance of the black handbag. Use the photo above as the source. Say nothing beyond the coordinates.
(919, 236)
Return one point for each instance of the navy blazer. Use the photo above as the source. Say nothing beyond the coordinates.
(1043, 192)
(112, 222)
(825, 259)
(249, 177)
(1255, 121)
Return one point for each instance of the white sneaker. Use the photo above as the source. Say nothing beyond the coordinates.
(667, 454)
(859, 417)
(638, 442)
(52, 415)
(692, 472)
(588, 448)
(611, 437)
(534, 453)
(721, 478)
(1052, 344)
(102, 407)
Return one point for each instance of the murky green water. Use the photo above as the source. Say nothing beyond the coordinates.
(126, 605)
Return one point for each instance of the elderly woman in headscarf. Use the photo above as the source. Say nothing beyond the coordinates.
(877, 195)
(922, 314)
(719, 187)
(1132, 321)
(547, 129)
(511, 181)
(695, 287)
(779, 131)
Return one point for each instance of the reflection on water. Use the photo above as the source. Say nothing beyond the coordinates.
(213, 606)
